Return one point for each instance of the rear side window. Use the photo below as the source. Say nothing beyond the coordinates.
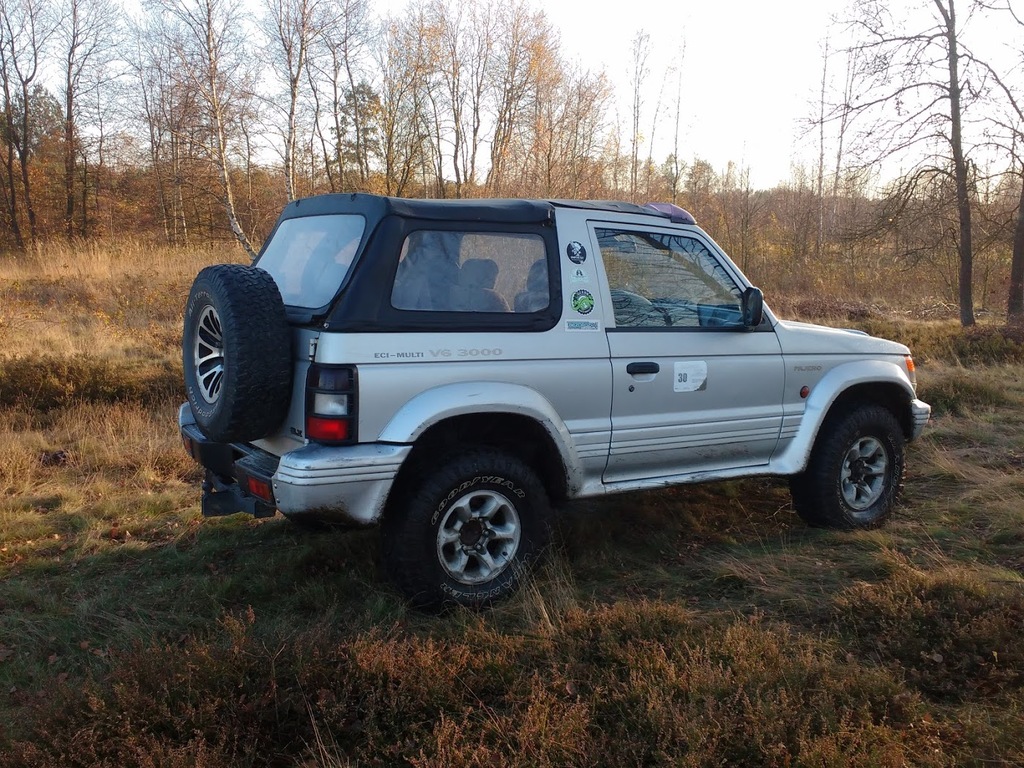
(309, 257)
(446, 271)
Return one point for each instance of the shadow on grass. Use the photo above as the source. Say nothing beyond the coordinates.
(698, 625)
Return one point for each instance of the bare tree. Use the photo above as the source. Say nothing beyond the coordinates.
(207, 41)
(164, 107)
(482, 19)
(820, 187)
(524, 37)
(649, 165)
(347, 46)
(87, 38)
(1007, 132)
(27, 27)
(1015, 299)
(465, 44)
(292, 26)
(10, 185)
(403, 71)
(343, 102)
(675, 165)
(912, 98)
(637, 81)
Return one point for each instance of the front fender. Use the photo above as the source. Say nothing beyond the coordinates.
(467, 398)
(824, 395)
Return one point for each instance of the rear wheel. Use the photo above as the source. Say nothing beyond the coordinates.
(466, 534)
(855, 475)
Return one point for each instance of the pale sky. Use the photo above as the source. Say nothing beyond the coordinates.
(751, 70)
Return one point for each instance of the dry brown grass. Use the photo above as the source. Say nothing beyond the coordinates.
(691, 626)
(111, 300)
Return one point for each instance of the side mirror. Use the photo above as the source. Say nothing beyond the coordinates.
(753, 307)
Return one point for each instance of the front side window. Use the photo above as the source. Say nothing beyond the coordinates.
(309, 257)
(446, 271)
(660, 280)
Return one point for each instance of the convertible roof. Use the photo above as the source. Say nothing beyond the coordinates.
(376, 207)
(505, 210)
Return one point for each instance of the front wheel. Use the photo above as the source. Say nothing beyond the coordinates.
(855, 475)
(467, 533)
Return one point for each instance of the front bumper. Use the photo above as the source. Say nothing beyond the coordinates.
(921, 412)
(331, 483)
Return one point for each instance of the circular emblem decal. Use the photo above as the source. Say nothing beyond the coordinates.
(583, 302)
(576, 252)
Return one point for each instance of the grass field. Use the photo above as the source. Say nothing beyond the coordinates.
(693, 626)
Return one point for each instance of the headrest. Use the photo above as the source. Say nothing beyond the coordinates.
(479, 273)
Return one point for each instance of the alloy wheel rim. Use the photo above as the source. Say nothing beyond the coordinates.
(862, 476)
(478, 537)
(208, 354)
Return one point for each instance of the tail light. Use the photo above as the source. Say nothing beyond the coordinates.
(331, 404)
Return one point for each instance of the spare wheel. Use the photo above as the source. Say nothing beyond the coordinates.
(236, 353)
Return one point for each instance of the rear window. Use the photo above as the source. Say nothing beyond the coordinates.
(309, 257)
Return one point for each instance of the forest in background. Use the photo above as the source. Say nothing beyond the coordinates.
(190, 121)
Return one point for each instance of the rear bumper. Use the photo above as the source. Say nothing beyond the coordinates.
(332, 483)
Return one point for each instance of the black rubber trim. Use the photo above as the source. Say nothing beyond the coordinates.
(362, 306)
(763, 328)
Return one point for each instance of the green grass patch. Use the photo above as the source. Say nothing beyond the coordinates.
(954, 633)
(948, 341)
(49, 383)
(959, 392)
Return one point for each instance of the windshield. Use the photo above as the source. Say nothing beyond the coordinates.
(309, 257)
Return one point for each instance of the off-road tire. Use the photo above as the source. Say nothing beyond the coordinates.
(432, 497)
(240, 309)
(855, 475)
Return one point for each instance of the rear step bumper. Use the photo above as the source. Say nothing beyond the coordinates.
(226, 498)
(331, 483)
(232, 469)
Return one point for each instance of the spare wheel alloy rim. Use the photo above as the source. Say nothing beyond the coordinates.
(208, 354)
(862, 477)
(478, 537)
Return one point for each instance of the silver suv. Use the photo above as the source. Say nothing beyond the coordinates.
(451, 369)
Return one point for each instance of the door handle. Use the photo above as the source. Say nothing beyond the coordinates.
(637, 368)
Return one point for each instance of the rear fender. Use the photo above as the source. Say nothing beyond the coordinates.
(467, 398)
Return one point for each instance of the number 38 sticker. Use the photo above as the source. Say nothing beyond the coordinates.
(691, 376)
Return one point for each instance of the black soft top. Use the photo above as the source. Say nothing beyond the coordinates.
(502, 210)
(367, 310)
(375, 207)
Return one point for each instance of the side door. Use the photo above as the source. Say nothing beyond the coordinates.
(693, 390)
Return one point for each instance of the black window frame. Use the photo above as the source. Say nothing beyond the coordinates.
(364, 304)
(734, 277)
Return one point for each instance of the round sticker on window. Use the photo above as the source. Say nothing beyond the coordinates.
(583, 302)
(576, 252)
